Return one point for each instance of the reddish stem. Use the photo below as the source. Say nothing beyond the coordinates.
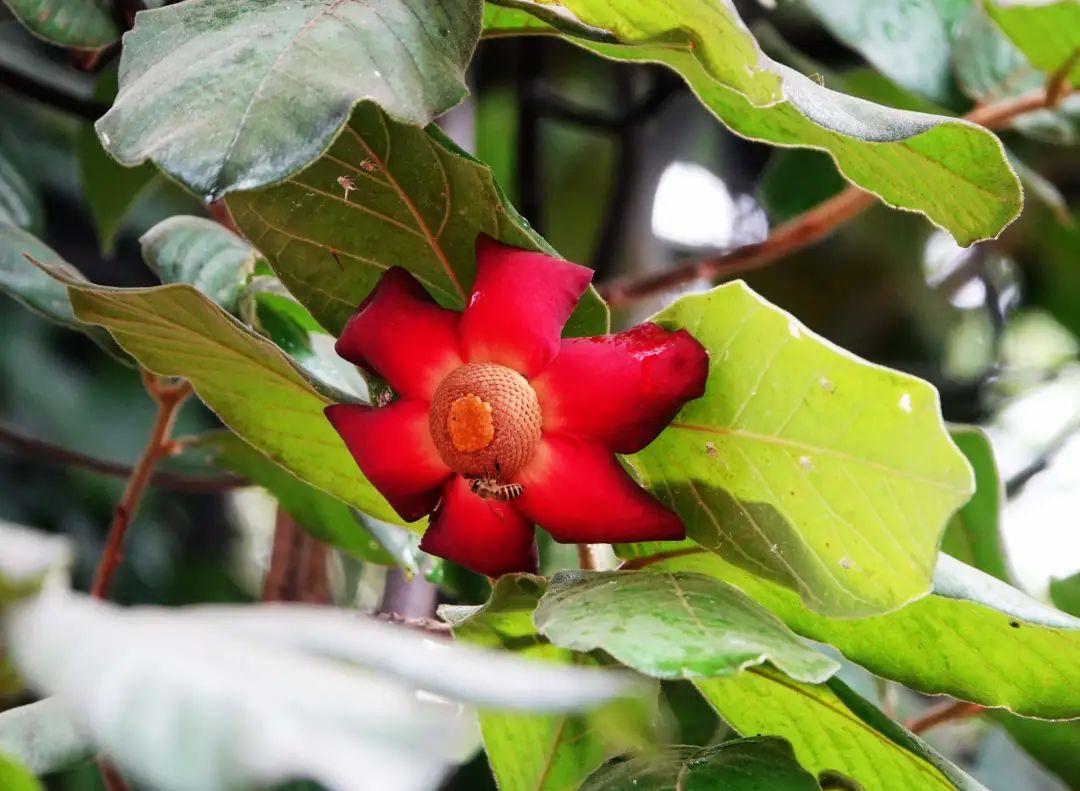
(947, 712)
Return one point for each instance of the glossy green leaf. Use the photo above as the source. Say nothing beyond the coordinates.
(532, 752)
(804, 464)
(672, 625)
(235, 94)
(832, 730)
(912, 161)
(81, 24)
(19, 203)
(201, 253)
(16, 777)
(28, 285)
(326, 517)
(763, 763)
(41, 737)
(974, 638)
(974, 532)
(254, 388)
(1047, 31)
(415, 200)
(909, 41)
(1065, 594)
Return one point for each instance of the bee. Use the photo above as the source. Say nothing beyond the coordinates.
(491, 489)
(346, 184)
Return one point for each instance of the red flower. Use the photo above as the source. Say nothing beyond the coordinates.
(500, 423)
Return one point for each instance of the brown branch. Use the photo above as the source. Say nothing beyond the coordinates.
(634, 564)
(54, 454)
(169, 397)
(297, 570)
(810, 227)
(946, 712)
(588, 557)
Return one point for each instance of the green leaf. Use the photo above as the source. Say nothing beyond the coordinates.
(19, 202)
(35, 290)
(763, 763)
(1047, 32)
(234, 94)
(990, 68)
(41, 737)
(909, 42)
(672, 625)
(532, 752)
(417, 201)
(201, 253)
(912, 161)
(974, 638)
(804, 464)
(16, 777)
(80, 24)
(974, 533)
(325, 517)
(832, 730)
(254, 388)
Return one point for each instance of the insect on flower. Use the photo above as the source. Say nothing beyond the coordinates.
(499, 424)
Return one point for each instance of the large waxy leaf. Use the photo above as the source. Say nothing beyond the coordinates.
(234, 94)
(974, 638)
(833, 730)
(974, 532)
(804, 464)
(1047, 31)
(416, 201)
(19, 203)
(324, 516)
(764, 763)
(251, 384)
(27, 284)
(529, 752)
(82, 24)
(201, 253)
(672, 625)
(952, 171)
(909, 41)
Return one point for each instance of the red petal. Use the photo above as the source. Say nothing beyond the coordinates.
(576, 490)
(393, 448)
(621, 389)
(519, 304)
(488, 536)
(400, 333)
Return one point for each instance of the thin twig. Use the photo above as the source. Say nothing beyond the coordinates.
(634, 564)
(169, 397)
(588, 557)
(54, 454)
(809, 227)
(946, 712)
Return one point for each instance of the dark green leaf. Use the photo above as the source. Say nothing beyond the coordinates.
(672, 625)
(764, 763)
(1065, 594)
(416, 201)
(236, 94)
(974, 638)
(201, 253)
(804, 464)
(325, 517)
(1055, 745)
(81, 24)
(27, 284)
(832, 730)
(19, 202)
(974, 534)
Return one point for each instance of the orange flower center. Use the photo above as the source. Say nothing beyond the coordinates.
(485, 420)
